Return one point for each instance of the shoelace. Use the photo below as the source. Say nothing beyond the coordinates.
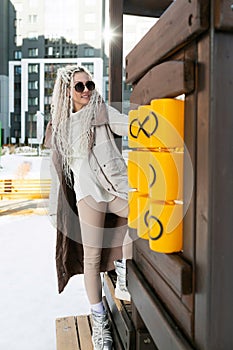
(101, 333)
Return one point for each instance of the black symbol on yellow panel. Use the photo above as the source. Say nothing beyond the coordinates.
(147, 218)
(154, 175)
(140, 126)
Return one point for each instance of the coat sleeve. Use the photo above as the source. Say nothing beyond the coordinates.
(118, 122)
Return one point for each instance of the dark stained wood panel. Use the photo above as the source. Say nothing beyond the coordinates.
(224, 14)
(149, 8)
(173, 302)
(162, 328)
(214, 243)
(190, 156)
(174, 270)
(170, 79)
(168, 35)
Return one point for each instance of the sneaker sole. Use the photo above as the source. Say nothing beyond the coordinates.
(119, 294)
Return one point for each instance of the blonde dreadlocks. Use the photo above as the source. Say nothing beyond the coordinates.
(61, 109)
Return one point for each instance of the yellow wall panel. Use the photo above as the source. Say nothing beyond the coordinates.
(166, 227)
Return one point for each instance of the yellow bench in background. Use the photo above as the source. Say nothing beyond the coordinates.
(24, 188)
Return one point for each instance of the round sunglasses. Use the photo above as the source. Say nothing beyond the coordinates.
(90, 85)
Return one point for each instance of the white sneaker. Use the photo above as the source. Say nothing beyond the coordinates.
(101, 332)
(121, 291)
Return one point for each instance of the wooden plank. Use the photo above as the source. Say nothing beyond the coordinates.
(223, 14)
(174, 270)
(66, 334)
(173, 302)
(161, 326)
(150, 8)
(84, 332)
(168, 79)
(189, 173)
(168, 35)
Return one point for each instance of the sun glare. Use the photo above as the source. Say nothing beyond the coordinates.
(108, 34)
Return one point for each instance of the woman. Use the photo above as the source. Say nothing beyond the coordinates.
(92, 204)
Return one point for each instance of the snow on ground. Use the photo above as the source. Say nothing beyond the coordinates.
(29, 301)
(22, 166)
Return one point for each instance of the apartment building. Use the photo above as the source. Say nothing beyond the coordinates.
(31, 81)
(7, 48)
(49, 35)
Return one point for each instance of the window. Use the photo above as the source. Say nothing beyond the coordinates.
(50, 51)
(18, 55)
(33, 52)
(66, 51)
(32, 19)
(47, 100)
(48, 84)
(17, 70)
(88, 51)
(33, 85)
(32, 117)
(89, 66)
(33, 101)
(49, 68)
(33, 68)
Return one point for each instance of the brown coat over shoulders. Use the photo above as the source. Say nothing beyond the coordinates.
(69, 249)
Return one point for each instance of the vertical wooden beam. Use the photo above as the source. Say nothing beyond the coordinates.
(202, 193)
(116, 53)
(221, 194)
(214, 207)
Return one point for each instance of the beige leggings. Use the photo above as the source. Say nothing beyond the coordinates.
(92, 217)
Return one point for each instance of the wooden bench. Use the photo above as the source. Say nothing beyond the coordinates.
(74, 333)
(24, 188)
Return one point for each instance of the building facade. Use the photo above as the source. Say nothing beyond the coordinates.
(31, 81)
(7, 48)
(77, 21)
(49, 36)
